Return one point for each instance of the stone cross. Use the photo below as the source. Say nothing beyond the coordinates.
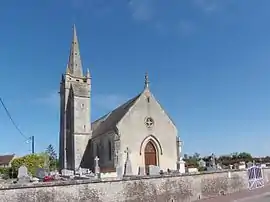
(127, 151)
(128, 167)
(96, 166)
(96, 160)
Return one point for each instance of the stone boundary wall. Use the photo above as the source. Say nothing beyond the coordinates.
(133, 189)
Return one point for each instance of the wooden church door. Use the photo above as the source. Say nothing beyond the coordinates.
(150, 156)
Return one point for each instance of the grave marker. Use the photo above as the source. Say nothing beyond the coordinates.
(23, 176)
(128, 167)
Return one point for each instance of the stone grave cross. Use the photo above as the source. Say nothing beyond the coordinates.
(96, 165)
(96, 160)
(127, 151)
(128, 168)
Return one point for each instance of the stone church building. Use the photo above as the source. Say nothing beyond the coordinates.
(139, 128)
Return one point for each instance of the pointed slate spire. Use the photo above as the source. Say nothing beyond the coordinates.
(74, 63)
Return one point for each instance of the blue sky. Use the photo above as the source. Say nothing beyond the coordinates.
(208, 63)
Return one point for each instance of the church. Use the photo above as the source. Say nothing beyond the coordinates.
(140, 128)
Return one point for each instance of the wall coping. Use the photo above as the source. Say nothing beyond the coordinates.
(88, 181)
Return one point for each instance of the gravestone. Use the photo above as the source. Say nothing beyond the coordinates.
(23, 176)
(118, 166)
(249, 164)
(202, 163)
(128, 166)
(141, 171)
(67, 173)
(85, 171)
(213, 162)
(80, 172)
(119, 172)
(41, 173)
(182, 168)
(154, 170)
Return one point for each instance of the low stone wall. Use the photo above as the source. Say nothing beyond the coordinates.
(158, 189)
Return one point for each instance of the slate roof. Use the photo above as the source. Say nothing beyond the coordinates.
(109, 121)
(5, 159)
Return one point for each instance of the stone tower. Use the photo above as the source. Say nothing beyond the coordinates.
(75, 109)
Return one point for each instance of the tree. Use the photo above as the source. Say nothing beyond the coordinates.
(192, 161)
(31, 161)
(244, 156)
(52, 157)
(51, 152)
(196, 156)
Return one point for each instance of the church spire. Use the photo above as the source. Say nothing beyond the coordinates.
(74, 63)
(146, 81)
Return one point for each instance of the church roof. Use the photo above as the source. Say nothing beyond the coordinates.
(109, 121)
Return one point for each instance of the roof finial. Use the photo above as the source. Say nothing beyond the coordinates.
(88, 73)
(146, 80)
(67, 69)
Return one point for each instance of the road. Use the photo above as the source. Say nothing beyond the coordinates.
(257, 195)
(258, 198)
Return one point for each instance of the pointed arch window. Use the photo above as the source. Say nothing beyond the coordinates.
(110, 150)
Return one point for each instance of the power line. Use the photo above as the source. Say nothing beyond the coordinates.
(11, 119)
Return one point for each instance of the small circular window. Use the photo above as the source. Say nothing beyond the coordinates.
(149, 122)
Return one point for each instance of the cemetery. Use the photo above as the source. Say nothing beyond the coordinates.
(158, 185)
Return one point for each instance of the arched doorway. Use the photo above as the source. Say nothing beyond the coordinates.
(150, 156)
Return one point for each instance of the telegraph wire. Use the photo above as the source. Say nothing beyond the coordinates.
(11, 119)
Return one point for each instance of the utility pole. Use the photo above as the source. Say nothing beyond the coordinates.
(33, 144)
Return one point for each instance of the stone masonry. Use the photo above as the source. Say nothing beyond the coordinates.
(158, 189)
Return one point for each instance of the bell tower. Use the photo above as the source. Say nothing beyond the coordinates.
(75, 110)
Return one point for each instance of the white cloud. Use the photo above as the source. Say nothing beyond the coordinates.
(108, 101)
(207, 6)
(142, 10)
(52, 99)
(100, 101)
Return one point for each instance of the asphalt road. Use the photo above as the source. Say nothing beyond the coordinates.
(257, 195)
(259, 198)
